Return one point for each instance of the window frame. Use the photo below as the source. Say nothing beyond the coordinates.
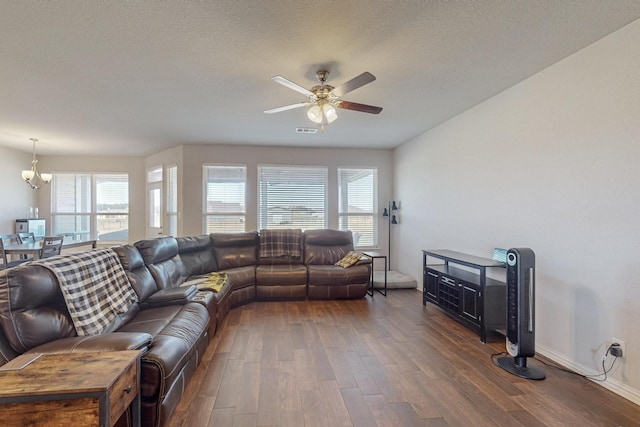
(343, 194)
(263, 214)
(93, 214)
(206, 214)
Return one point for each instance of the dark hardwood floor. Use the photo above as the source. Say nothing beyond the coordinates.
(376, 362)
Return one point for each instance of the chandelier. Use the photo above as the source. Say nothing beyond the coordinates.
(30, 176)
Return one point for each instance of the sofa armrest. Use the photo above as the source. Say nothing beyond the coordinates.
(171, 296)
(114, 341)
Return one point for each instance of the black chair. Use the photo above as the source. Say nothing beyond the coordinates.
(51, 246)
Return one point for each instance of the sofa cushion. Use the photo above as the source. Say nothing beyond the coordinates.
(163, 261)
(115, 341)
(234, 250)
(332, 275)
(32, 310)
(197, 255)
(281, 246)
(175, 331)
(326, 247)
(139, 275)
(272, 275)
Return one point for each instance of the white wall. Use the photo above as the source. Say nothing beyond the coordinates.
(17, 197)
(552, 164)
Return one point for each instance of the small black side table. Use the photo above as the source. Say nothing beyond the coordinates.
(374, 256)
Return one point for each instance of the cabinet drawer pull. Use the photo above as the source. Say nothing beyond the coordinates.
(127, 390)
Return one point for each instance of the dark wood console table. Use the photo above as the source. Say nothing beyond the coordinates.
(469, 296)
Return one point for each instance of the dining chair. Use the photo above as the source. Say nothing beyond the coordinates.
(51, 246)
(26, 238)
(4, 263)
(12, 239)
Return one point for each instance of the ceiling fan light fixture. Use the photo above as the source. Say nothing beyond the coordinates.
(329, 112)
(315, 114)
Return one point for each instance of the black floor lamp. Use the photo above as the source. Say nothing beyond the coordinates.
(392, 220)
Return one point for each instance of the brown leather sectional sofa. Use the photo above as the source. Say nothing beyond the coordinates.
(173, 321)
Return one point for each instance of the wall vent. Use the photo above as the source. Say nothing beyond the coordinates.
(306, 130)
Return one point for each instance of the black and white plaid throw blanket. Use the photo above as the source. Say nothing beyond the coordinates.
(95, 288)
(280, 243)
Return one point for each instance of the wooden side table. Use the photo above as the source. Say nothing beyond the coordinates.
(88, 389)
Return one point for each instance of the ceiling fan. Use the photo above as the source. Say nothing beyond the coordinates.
(324, 98)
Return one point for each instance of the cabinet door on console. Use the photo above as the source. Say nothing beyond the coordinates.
(431, 285)
(470, 307)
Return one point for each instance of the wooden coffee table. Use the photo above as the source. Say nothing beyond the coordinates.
(88, 389)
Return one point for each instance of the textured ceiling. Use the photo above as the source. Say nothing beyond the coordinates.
(135, 77)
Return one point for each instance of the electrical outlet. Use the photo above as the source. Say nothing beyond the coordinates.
(622, 345)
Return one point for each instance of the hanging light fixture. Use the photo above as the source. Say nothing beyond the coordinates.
(322, 113)
(31, 175)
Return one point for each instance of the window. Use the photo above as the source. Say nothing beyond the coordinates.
(172, 201)
(224, 198)
(91, 206)
(292, 197)
(357, 207)
(154, 190)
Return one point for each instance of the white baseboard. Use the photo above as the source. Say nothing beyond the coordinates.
(611, 384)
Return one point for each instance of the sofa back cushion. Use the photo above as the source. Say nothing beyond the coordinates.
(234, 250)
(139, 275)
(280, 246)
(325, 247)
(197, 255)
(163, 261)
(32, 309)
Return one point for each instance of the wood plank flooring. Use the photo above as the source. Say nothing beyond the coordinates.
(376, 362)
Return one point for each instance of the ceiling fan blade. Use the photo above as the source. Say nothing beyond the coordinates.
(354, 83)
(292, 85)
(359, 107)
(286, 107)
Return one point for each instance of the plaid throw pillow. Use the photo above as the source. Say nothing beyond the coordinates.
(349, 259)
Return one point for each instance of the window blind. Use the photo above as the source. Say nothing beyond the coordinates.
(224, 199)
(91, 206)
(292, 197)
(357, 206)
(172, 201)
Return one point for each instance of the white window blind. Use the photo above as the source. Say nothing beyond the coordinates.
(292, 197)
(154, 175)
(357, 207)
(172, 201)
(92, 206)
(224, 198)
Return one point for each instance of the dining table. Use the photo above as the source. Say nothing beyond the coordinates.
(34, 249)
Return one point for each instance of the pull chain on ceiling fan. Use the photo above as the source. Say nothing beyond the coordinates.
(324, 98)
